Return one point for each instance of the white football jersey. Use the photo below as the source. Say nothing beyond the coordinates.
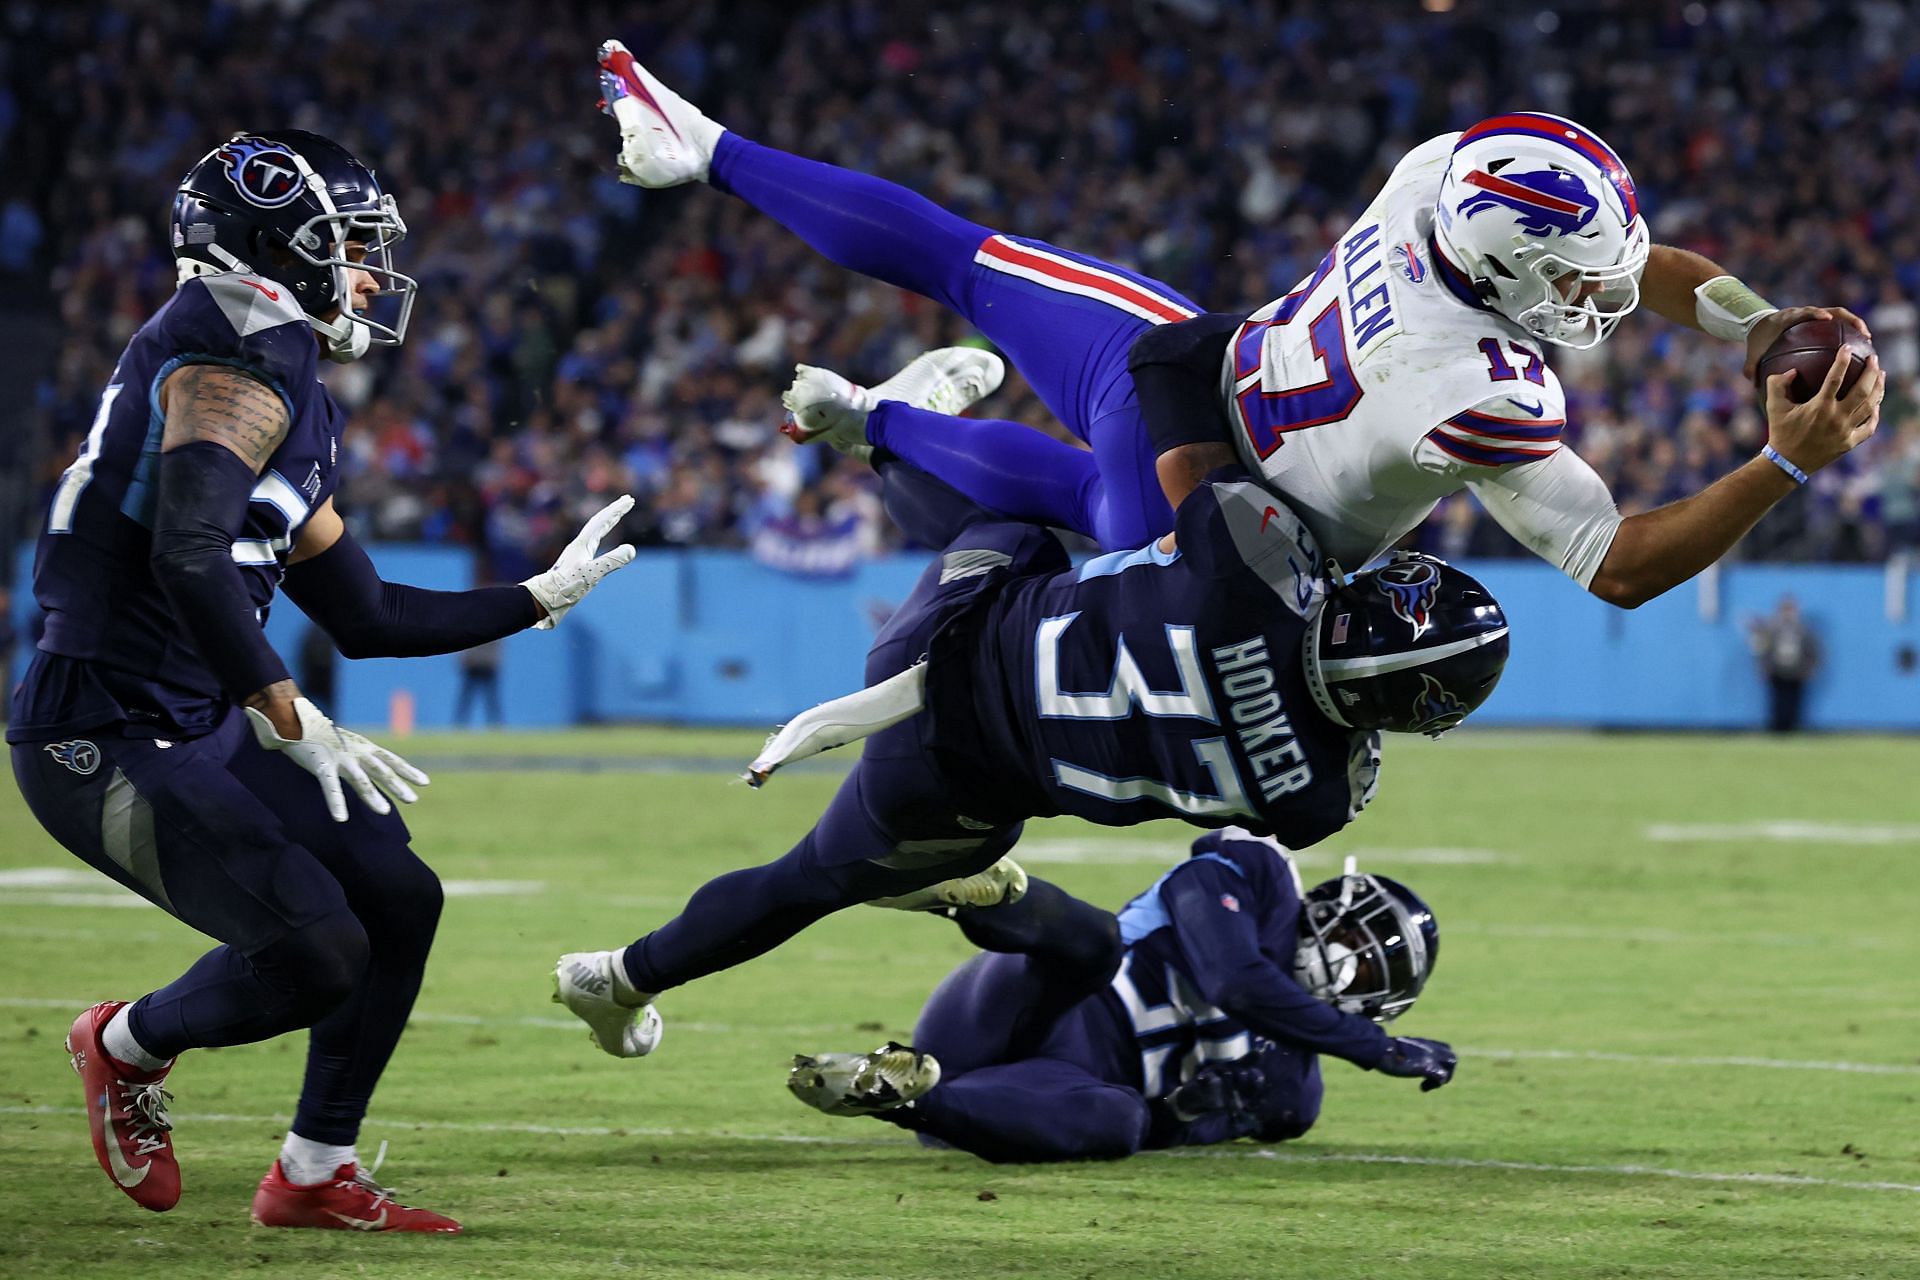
(1378, 387)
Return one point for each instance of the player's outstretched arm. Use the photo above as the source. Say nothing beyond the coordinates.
(1222, 947)
(331, 578)
(1697, 292)
(1176, 375)
(1660, 549)
(221, 427)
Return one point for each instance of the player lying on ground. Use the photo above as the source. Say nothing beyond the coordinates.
(1198, 1016)
(1406, 367)
(158, 736)
(1216, 676)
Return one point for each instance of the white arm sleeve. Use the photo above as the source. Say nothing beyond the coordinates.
(1558, 508)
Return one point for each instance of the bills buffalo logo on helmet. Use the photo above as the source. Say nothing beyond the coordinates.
(264, 172)
(1549, 201)
(79, 755)
(1409, 587)
(1435, 709)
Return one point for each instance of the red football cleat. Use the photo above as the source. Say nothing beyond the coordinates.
(127, 1111)
(351, 1201)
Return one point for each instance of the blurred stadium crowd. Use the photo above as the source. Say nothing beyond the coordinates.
(577, 338)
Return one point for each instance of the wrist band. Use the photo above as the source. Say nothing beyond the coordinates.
(1727, 309)
(1779, 460)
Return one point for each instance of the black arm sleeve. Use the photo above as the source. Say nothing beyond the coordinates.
(371, 618)
(1176, 372)
(204, 491)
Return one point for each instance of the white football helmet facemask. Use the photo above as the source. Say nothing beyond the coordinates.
(1541, 218)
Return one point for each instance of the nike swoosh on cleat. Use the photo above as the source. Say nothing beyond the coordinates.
(1270, 514)
(123, 1173)
(362, 1224)
(1536, 408)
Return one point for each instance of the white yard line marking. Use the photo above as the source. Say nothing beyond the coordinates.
(77, 1003)
(1532, 1166)
(1705, 938)
(1676, 1060)
(1124, 851)
(1793, 829)
(1263, 1153)
(79, 887)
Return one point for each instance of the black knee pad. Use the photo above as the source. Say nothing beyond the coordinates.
(317, 965)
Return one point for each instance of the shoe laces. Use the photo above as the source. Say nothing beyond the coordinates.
(147, 1121)
(363, 1180)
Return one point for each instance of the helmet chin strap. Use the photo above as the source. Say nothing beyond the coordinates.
(344, 340)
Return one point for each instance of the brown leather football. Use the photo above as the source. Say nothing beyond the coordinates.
(1808, 349)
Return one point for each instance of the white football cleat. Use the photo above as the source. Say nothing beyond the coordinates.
(664, 139)
(1002, 884)
(583, 982)
(860, 1084)
(828, 407)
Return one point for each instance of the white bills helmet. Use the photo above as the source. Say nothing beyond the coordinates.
(1539, 219)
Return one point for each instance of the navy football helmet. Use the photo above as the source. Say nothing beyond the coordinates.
(1367, 944)
(286, 205)
(1410, 647)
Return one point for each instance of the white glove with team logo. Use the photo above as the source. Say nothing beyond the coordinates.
(579, 570)
(331, 753)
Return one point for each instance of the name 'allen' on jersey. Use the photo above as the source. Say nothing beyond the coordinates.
(1381, 385)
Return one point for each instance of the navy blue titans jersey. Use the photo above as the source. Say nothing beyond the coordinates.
(1221, 928)
(1147, 684)
(113, 653)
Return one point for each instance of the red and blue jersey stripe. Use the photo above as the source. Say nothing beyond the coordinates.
(1538, 124)
(1494, 440)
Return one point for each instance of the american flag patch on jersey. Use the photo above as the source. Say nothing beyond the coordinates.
(1230, 902)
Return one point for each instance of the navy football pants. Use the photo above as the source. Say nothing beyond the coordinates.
(896, 824)
(1065, 320)
(323, 924)
(1027, 1071)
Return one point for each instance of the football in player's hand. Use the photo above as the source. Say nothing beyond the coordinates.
(1808, 349)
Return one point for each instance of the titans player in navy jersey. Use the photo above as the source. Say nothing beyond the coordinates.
(160, 739)
(1221, 675)
(1197, 1016)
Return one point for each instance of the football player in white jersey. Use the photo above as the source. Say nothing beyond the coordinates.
(1408, 366)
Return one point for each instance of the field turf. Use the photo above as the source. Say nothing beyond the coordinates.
(1681, 972)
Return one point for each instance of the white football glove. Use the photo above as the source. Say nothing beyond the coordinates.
(579, 570)
(331, 753)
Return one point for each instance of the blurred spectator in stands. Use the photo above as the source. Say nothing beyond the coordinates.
(565, 320)
(479, 682)
(1789, 653)
(811, 541)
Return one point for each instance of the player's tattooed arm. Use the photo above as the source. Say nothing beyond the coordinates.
(224, 406)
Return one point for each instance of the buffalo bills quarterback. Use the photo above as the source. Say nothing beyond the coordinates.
(1408, 366)
(1198, 1015)
(158, 736)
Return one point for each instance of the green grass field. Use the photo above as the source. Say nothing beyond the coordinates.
(1680, 971)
